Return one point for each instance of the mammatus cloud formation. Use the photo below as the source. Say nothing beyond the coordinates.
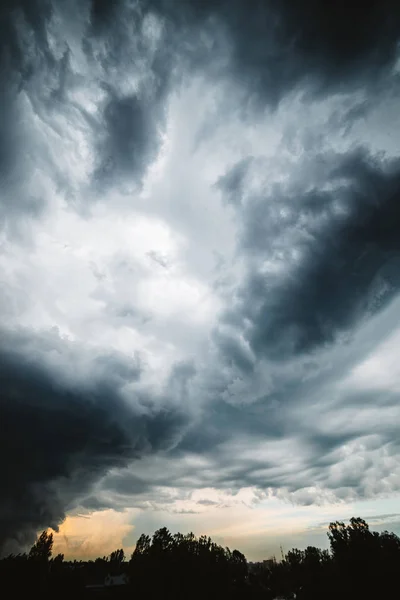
(199, 255)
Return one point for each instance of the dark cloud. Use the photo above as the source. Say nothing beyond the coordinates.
(234, 350)
(348, 245)
(23, 27)
(223, 422)
(275, 46)
(38, 40)
(130, 132)
(103, 13)
(206, 502)
(126, 483)
(68, 419)
(233, 182)
(59, 437)
(131, 135)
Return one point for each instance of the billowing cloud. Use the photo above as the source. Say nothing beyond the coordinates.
(275, 47)
(333, 249)
(61, 430)
(199, 256)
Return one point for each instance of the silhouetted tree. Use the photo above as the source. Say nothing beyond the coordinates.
(142, 545)
(180, 566)
(117, 557)
(57, 560)
(116, 561)
(42, 548)
(364, 559)
(361, 564)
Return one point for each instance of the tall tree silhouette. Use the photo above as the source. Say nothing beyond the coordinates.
(42, 548)
(116, 561)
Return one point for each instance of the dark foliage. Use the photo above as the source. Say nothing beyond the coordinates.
(361, 564)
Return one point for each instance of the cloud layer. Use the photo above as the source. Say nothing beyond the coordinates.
(199, 255)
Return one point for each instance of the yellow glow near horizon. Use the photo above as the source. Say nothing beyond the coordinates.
(93, 535)
(258, 529)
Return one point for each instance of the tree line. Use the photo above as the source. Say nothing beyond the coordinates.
(360, 564)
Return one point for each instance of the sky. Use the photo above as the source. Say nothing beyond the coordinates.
(199, 270)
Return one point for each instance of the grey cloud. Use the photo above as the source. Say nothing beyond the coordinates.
(347, 238)
(234, 350)
(37, 78)
(125, 483)
(232, 182)
(307, 448)
(224, 421)
(22, 26)
(103, 13)
(58, 438)
(277, 46)
(129, 134)
(94, 503)
(372, 519)
(205, 502)
(117, 367)
(131, 137)
(308, 459)
(161, 260)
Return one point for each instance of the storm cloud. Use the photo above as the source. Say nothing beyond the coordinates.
(60, 434)
(344, 231)
(199, 255)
